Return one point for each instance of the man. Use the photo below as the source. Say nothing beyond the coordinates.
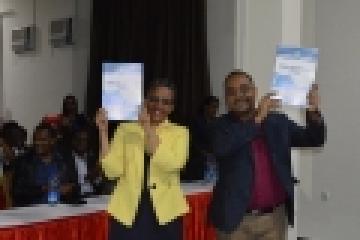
(252, 146)
(34, 172)
(70, 117)
(70, 120)
(86, 163)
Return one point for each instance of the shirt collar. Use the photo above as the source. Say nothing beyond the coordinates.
(75, 155)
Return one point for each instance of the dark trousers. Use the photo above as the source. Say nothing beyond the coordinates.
(145, 231)
(145, 226)
(268, 226)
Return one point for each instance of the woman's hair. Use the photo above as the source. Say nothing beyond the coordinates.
(160, 82)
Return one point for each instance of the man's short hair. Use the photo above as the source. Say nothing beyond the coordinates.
(238, 72)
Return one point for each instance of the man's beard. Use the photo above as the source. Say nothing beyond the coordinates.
(244, 114)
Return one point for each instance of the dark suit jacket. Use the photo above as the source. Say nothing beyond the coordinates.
(94, 173)
(25, 190)
(231, 145)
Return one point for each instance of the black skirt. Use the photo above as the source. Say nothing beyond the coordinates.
(146, 226)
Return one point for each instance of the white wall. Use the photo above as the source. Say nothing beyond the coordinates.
(232, 43)
(4, 10)
(336, 170)
(81, 50)
(221, 43)
(262, 32)
(34, 84)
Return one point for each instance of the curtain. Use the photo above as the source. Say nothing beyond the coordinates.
(168, 36)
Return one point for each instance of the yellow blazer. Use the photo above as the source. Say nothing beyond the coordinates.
(125, 161)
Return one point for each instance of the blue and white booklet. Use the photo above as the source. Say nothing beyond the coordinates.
(294, 74)
(122, 90)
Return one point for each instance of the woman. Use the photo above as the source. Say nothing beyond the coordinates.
(146, 156)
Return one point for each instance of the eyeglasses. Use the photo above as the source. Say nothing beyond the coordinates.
(243, 90)
(164, 101)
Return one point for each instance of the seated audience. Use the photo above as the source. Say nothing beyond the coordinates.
(36, 169)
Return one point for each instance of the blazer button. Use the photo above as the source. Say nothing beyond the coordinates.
(153, 186)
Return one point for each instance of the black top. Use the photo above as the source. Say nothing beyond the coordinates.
(146, 173)
(145, 211)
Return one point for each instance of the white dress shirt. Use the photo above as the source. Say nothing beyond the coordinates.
(82, 171)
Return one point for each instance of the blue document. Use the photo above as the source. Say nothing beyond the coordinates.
(294, 74)
(122, 90)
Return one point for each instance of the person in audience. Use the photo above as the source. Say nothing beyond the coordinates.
(3, 188)
(70, 121)
(15, 136)
(203, 124)
(1, 146)
(12, 150)
(7, 174)
(7, 151)
(146, 156)
(200, 128)
(86, 163)
(252, 147)
(34, 172)
(70, 117)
